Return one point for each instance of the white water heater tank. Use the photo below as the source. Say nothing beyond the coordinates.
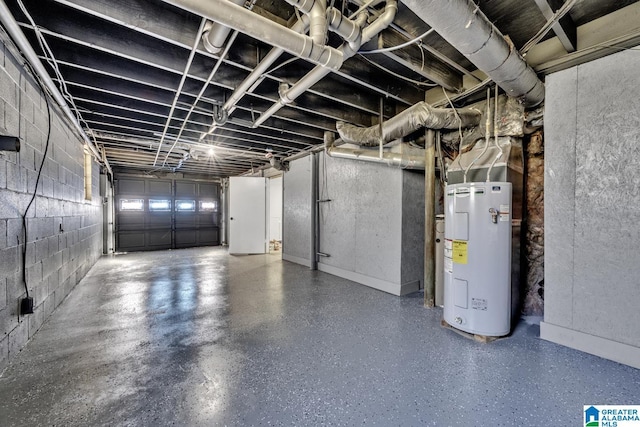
(477, 270)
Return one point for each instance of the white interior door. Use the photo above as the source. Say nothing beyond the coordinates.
(247, 215)
(275, 208)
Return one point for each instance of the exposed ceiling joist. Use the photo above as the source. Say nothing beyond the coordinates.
(122, 61)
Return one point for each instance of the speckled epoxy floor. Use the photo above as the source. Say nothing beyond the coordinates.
(197, 337)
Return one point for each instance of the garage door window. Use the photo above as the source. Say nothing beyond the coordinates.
(185, 205)
(159, 205)
(208, 206)
(131, 204)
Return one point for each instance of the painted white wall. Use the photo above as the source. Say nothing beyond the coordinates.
(592, 206)
(275, 208)
(298, 207)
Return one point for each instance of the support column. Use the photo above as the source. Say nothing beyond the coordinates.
(429, 218)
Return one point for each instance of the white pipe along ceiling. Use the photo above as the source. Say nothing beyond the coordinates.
(27, 50)
(270, 77)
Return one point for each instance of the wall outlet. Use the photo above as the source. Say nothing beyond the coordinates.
(26, 306)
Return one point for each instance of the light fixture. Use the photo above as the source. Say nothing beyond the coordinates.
(9, 143)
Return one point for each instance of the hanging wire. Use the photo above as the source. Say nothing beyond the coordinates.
(53, 63)
(415, 82)
(455, 111)
(547, 26)
(277, 67)
(400, 46)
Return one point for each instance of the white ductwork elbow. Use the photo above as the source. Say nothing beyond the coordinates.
(215, 35)
(316, 11)
(350, 31)
(382, 22)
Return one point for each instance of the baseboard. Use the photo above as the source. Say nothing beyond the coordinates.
(598, 346)
(297, 260)
(372, 282)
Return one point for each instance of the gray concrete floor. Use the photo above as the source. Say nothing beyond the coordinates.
(198, 337)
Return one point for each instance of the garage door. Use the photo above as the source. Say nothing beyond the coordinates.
(154, 214)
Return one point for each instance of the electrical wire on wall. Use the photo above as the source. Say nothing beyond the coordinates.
(27, 304)
(459, 125)
(441, 162)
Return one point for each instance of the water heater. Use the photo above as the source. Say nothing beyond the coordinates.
(477, 270)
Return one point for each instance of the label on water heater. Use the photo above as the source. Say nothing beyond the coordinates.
(459, 251)
(504, 212)
(448, 265)
(479, 304)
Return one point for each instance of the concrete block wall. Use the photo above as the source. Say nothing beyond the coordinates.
(64, 231)
(592, 208)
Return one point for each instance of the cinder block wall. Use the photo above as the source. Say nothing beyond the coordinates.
(64, 231)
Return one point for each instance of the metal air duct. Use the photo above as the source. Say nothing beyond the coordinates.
(393, 159)
(413, 118)
(403, 161)
(464, 26)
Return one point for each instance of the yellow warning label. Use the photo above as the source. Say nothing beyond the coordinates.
(459, 251)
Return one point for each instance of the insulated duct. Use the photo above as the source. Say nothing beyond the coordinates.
(403, 161)
(413, 118)
(278, 164)
(215, 34)
(393, 159)
(238, 18)
(464, 26)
